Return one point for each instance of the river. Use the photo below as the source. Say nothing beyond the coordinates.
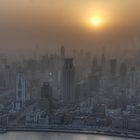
(54, 136)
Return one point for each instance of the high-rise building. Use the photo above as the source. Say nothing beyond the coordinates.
(7, 75)
(132, 74)
(46, 90)
(94, 68)
(20, 91)
(68, 81)
(94, 78)
(103, 60)
(113, 67)
(62, 52)
(46, 97)
(123, 72)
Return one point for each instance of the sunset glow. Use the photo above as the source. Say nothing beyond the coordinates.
(96, 21)
(27, 22)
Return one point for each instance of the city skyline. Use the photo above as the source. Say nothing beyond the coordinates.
(69, 67)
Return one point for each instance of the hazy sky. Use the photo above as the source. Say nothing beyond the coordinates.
(50, 23)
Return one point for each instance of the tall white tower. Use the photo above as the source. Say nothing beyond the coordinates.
(20, 91)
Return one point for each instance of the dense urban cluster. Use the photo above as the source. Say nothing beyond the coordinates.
(82, 91)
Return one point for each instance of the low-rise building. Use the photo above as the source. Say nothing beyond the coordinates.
(37, 118)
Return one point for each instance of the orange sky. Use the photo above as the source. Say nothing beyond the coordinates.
(23, 23)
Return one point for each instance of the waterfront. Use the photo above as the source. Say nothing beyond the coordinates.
(55, 136)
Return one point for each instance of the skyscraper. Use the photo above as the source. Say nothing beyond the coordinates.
(20, 90)
(123, 72)
(46, 90)
(94, 78)
(46, 97)
(62, 51)
(132, 74)
(113, 67)
(68, 81)
(103, 60)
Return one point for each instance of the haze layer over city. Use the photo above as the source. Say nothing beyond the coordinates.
(51, 23)
(70, 67)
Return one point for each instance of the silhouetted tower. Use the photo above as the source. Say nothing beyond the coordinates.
(94, 78)
(95, 67)
(103, 60)
(123, 72)
(62, 52)
(46, 97)
(113, 67)
(132, 77)
(68, 81)
(103, 70)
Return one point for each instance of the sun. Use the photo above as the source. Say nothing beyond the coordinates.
(96, 21)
